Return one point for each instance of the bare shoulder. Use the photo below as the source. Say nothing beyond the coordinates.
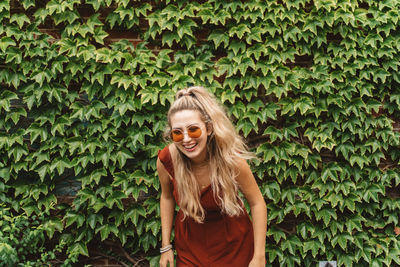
(244, 176)
(165, 180)
(242, 166)
(162, 171)
(247, 183)
(172, 150)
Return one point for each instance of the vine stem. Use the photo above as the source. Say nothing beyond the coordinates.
(126, 254)
(111, 257)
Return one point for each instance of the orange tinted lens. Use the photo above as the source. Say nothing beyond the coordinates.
(177, 135)
(194, 132)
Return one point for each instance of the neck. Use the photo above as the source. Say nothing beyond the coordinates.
(197, 163)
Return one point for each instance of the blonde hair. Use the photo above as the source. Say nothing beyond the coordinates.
(224, 147)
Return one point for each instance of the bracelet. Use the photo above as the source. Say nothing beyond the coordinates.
(166, 248)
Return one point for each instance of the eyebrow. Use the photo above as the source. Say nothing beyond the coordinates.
(188, 126)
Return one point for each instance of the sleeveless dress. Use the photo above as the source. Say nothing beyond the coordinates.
(220, 241)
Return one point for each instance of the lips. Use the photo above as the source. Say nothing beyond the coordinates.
(190, 148)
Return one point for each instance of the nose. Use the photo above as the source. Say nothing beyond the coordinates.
(186, 136)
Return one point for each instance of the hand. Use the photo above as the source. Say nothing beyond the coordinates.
(257, 262)
(167, 258)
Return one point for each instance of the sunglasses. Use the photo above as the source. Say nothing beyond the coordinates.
(178, 135)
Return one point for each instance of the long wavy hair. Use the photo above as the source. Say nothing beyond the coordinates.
(224, 147)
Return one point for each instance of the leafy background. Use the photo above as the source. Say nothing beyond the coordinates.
(313, 86)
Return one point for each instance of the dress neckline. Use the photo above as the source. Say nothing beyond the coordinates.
(204, 189)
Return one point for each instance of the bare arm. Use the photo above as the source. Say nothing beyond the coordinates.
(167, 208)
(258, 208)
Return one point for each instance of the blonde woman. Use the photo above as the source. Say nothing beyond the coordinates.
(202, 170)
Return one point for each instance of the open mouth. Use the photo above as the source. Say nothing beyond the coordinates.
(190, 147)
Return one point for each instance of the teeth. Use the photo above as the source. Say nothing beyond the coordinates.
(189, 147)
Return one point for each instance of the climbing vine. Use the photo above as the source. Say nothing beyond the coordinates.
(313, 86)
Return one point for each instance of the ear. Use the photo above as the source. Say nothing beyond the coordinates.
(209, 128)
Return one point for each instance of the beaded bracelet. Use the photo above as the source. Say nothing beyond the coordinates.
(166, 248)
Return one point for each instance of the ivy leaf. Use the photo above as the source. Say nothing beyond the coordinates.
(6, 42)
(152, 206)
(272, 28)
(99, 35)
(239, 31)
(303, 104)
(154, 225)
(304, 228)
(237, 46)
(342, 240)
(148, 240)
(270, 111)
(96, 4)
(80, 248)
(106, 229)
(327, 5)
(112, 18)
(380, 74)
(224, 66)
(115, 198)
(93, 219)
(52, 225)
(219, 37)
(93, 21)
(313, 245)
(28, 3)
(149, 95)
(373, 192)
(274, 252)
(74, 217)
(273, 133)
(21, 19)
(133, 214)
(271, 190)
(359, 159)
(354, 223)
(292, 244)
(255, 34)
(14, 55)
(17, 151)
(291, 34)
(326, 214)
(94, 176)
(185, 27)
(229, 95)
(257, 51)
(331, 171)
(311, 24)
(169, 37)
(276, 233)
(244, 64)
(246, 127)
(125, 12)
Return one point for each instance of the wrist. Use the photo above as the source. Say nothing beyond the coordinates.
(259, 255)
(165, 248)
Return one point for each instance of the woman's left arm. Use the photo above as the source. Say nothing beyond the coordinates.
(258, 208)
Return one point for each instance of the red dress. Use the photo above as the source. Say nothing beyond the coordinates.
(219, 241)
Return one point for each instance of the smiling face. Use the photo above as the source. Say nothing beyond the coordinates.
(185, 122)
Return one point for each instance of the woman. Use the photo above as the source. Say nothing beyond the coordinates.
(202, 171)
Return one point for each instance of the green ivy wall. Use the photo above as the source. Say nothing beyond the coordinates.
(313, 86)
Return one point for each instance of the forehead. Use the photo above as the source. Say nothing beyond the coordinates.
(184, 118)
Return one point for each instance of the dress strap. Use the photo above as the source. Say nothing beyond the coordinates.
(165, 157)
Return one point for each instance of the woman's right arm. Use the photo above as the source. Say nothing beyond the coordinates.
(167, 208)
